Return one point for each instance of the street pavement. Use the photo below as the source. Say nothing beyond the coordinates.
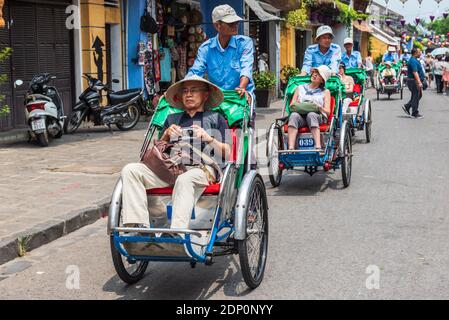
(384, 237)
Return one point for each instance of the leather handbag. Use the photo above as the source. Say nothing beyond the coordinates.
(164, 163)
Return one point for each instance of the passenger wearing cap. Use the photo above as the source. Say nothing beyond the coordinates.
(323, 53)
(316, 93)
(391, 55)
(388, 75)
(195, 96)
(351, 58)
(227, 58)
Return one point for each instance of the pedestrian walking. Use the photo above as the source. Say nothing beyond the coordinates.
(445, 75)
(438, 71)
(415, 79)
(369, 67)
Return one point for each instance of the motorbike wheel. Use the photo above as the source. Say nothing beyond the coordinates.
(43, 139)
(133, 115)
(73, 121)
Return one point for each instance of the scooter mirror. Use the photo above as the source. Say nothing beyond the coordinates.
(115, 81)
(18, 83)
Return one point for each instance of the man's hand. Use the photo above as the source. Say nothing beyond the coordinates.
(202, 134)
(303, 73)
(171, 131)
(241, 91)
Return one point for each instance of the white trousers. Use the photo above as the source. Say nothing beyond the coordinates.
(188, 188)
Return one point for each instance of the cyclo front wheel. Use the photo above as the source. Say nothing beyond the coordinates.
(274, 144)
(346, 166)
(253, 250)
(129, 272)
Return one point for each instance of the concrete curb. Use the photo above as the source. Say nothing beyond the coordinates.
(51, 230)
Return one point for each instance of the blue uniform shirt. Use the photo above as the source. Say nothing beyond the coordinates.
(415, 66)
(225, 67)
(406, 56)
(314, 58)
(392, 57)
(352, 61)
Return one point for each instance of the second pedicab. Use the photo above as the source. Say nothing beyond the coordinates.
(335, 134)
(359, 112)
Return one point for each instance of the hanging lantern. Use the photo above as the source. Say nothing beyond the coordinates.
(404, 1)
(445, 14)
(373, 22)
(420, 2)
(388, 22)
(360, 20)
(403, 22)
(417, 20)
(432, 18)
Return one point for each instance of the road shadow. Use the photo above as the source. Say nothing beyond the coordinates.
(178, 281)
(302, 184)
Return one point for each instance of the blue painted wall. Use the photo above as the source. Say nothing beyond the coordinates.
(134, 10)
(206, 9)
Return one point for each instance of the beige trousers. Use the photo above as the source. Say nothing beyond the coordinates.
(188, 188)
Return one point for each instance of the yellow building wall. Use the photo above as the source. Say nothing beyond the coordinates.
(378, 47)
(94, 17)
(287, 46)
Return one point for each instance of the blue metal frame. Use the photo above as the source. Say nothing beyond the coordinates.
(118, 240)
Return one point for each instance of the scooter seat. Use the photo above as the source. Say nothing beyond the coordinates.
(123, 96)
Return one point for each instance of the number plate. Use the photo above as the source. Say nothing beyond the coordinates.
(307, 143)
(38, 125)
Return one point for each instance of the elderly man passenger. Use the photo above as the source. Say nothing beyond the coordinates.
(195, 96)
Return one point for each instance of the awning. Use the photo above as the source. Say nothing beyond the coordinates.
(382, 36)
(285, 5)
(364, 27)
(260, 12)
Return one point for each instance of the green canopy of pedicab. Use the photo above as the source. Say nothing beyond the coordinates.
(358, 74)
(233, 108)
(334, 85)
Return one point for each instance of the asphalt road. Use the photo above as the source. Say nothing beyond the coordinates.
(384, 237)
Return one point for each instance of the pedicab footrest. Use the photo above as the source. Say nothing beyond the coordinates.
(213, 189)
(159, 230)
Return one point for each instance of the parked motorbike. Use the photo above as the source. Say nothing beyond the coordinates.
(123, 108)
(44, 110)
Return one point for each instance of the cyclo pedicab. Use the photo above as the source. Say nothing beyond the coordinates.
(335, 134)
(360, 104)
(231, 217)
(396, 86)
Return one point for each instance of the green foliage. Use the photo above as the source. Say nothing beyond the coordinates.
(264, 80)
(298, 18)
(347, 14)
(440, 26)
(288, 71)
(4, 54)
